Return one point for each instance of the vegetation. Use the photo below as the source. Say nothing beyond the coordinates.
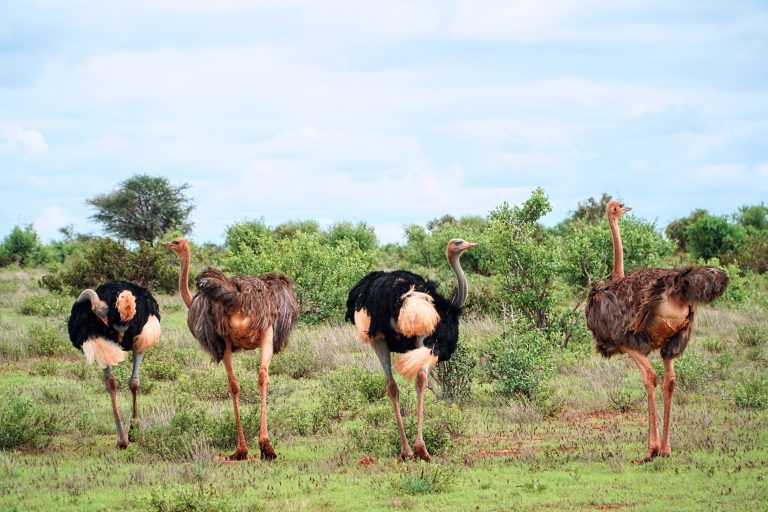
(524, 415)
(143, 208)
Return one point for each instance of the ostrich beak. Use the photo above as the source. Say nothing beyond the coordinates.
(469, 245)
(104, 320)
(166, 244)
(625, 209)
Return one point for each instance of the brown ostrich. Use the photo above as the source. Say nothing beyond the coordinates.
(239, 313)
(400, 311)
(649, 309)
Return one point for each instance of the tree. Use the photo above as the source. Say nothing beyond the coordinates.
(714, 237)
(754, 218)
(676, 229)
(591, 211)
(22, 247)
(143, 208)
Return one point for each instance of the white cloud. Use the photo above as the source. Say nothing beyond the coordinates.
(28, 139)
(50, 220)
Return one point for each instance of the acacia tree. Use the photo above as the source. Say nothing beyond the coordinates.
(143, 207)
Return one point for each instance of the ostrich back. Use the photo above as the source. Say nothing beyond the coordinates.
(241, 309)
(629, 313)
(83, 323)
(381, 293)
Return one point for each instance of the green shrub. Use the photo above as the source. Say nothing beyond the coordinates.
(426, 480)
(455, 375)
(47, 340)
(752, 335)
(104, 260)
(714, 345)
(46, 304)
(178, 440)
(520, 363)
(346, 389)
(714, 237)
(24, 423)
(752, 393)
(200, 498)
(624, 400)
(691, 371)
(299, 361)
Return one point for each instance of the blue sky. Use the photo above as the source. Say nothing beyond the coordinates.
(392, 113)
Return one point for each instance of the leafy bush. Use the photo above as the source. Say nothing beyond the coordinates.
(200, 498)
(24, 422)
(346, 389)
(455, 375)
(22, 247)
(179, 438)
(45, 304)
(520, 363)
(752, 393)
(300, 361)
(691, 371)
(105, 260)
(47, 340)
(589, 249)
(426, 480)
(322, 274)
(714, 237)
(425, 247)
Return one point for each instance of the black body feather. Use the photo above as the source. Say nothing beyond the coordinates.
(380, 294)
(83, 323)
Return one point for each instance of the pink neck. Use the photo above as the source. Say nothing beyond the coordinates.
(186, 295)
(618, 250)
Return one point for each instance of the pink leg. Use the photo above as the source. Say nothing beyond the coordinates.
(419, 447)
(648, 375)
(668, 388)
(122, 439)
(267, 349)
(241, 452)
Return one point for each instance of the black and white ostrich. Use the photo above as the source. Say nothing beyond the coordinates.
(399, 311)
(109, 321)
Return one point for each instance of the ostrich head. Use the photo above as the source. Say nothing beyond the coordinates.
(457, 246)
(98, 306)
(616, 209)
(178, 245)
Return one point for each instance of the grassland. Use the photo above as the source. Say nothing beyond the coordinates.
(336, 440)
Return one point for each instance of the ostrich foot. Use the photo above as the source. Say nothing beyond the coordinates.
(405, 454)
(240, 454)
(420, 451)
(666, 451)
(652, 453)
(122, 444)
(267, 452)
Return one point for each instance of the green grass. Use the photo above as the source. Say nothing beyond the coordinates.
(335, 445)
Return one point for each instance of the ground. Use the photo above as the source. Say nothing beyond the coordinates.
(335, 436)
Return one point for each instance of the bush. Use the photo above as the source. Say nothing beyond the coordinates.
(199, 498)
(22, 247)
(47, 340)
(346, 389)
(45, 304)
(299, 361)
(23, 422)
(105, 260)
(455, 375)
(691, 371)
(180, 438)
(752, 393)
(714, 237)
(520, 363)
(322, 275)
(752, 335)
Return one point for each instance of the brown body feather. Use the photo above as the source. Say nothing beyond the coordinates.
(651, 309)
(241, 309)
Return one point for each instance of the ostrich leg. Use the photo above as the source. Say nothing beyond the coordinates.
(267, 349)
(133, 383)
(648, 375)
(667, 387)
(241, 452)
(109, 381)
(419, 447)
(382, 352)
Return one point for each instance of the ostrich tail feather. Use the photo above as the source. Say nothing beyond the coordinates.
(409, 364)
(103, 352)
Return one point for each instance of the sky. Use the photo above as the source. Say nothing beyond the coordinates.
(391, 113)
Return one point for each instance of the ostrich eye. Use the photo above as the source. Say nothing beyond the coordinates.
(458, 243)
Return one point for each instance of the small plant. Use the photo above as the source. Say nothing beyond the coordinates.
(426, 481)
(752, 393)
(455, 375)
(623, 400)
(200, 498)
(46, 340)
(23, 422)
(714, 345)
(300, 361)
(45, 304)
(752, 335)
(521, 362)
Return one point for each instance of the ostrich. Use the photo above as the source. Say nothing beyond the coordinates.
(105, 323)
(400, 311)
(649, 309)
(239, 313)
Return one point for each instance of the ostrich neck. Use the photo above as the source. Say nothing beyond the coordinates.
(460, 295)
(618, 250)
(186, 295)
